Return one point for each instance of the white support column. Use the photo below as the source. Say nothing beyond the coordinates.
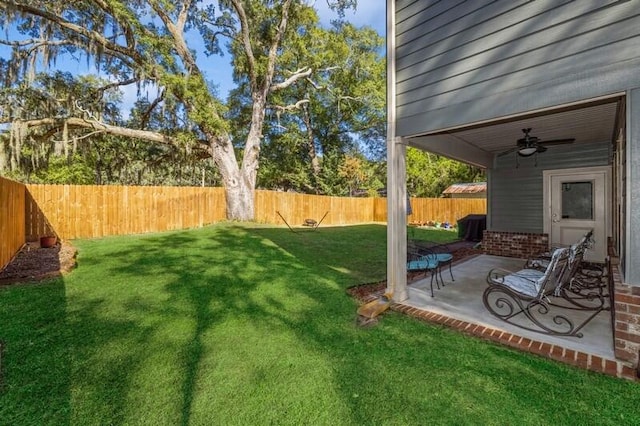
(396, 177)
(397, 220)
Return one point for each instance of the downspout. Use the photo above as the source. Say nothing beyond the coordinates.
(396, 178)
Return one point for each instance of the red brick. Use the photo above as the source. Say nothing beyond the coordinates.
(582, 359)
(488, 332)
(629, 337)
(621, 307)
(536, 347)
(635, 290)
(622, 326)
(525, 343)
(557, 353)
(625, 355)
(596, 363)
(515, 339)
(623, 316)
(621, 344)
(611, 367)
(628, 373)
(570, 354)
(625, 298)
(632, 309)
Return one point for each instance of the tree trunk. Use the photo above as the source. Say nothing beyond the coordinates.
(238, 186)
(240, 183)
(240, 201)
(311, 147)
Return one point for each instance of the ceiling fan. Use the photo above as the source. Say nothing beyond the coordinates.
(529, 145)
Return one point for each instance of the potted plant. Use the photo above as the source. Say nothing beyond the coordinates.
(48, 241)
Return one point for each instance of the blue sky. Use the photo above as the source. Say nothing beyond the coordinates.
(218, 70)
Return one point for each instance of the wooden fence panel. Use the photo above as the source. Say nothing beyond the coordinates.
(295, 208)
(445, 209)
(73, 211)
(91, 211)
(12, 219)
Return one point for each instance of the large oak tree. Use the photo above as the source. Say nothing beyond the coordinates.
(153, 42)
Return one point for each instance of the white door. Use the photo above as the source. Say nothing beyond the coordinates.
(578, 202)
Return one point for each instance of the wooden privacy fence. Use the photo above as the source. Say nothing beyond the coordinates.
(12, 219)
(72, 211)
(445, 209)
(75, 211)
(295, 208)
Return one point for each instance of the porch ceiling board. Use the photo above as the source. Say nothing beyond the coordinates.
(478, 143)
(453, 147)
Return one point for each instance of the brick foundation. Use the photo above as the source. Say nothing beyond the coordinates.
(627, 320)
(514, 244)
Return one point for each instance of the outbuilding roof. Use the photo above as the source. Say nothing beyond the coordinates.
(466, 188)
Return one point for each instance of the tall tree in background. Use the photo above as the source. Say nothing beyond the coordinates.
(429, 174)
(317, 123)
(144, 42)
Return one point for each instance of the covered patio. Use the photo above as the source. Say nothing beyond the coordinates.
(459, 305)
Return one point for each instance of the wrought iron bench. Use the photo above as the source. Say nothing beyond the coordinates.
(538, 300)
(511, 296)
(583, 285)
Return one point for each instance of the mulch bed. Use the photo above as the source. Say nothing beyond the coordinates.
(34, 263)
(370, 291)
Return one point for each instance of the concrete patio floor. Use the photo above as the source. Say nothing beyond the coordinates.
(462, 300)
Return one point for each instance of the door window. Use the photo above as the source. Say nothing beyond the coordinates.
(577, 200)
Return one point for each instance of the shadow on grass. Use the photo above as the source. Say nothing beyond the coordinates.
(35, 361)
(237, 324)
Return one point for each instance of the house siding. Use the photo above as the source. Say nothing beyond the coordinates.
(632, 261)
(516, 196)
(460, 62)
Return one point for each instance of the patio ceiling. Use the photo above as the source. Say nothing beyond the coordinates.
(478, 144)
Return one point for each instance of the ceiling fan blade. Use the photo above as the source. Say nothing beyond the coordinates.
(509, 151)
(557, 141)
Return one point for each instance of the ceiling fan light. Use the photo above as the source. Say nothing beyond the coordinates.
(527, 151)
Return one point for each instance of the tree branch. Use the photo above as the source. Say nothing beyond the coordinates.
(147, 114)
(246, 41)
(104, 128)
(297, 75)
(273, 49)
(124, 23)
(113, 48)
(176, 31)
(290, 107)
(101, 90)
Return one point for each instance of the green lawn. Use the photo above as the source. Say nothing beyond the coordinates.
(245, 325)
